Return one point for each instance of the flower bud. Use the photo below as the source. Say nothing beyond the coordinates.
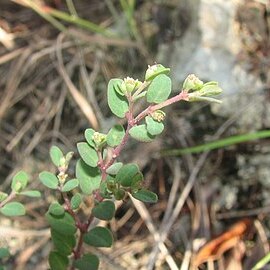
(210, 90)
(192, 82)
(154, 71)
(129, 85)
(158, 115)
(99, 139)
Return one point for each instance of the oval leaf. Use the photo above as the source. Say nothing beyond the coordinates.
(114, 169)
(104, 210)
(159, 90)
(152, 126)
(115, 135)
(56, 209)
(126, 174)
(88, 134)
(117, 103)
(56, 155)
(19, 181)
(49, 180)
(87, 262)
(69, 185)
(64, 224)
(13, 209)
(99, 237)
(141, 134)
(31, 193)
(58, 261)
(145, 196)
(63, 244)
(88, 154)
(75, 201)
(89, 177)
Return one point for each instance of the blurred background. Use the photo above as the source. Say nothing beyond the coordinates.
(56, 58)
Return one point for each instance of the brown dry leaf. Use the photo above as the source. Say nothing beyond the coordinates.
(219, 245)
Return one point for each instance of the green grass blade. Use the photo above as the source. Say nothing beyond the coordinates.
(262, 262)
(78, 21)
(217, 144)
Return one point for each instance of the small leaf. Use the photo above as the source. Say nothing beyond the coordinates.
(56, 209)
(75, 201)
(115, 135)
(69, 185)
(58, 261)
(49, 180)
(113, 169)
(145, 196)
(104, 210)
(63, 244)
(19, 181)
(87, 262)
(99, 237)
(117, 103)
(31, 193)
(88, 134)
(13, 209)
(56, 155)
(126, 173)
(88, 154)
(153, 127)
(3, 196)
(4, 252)
(159, 90)
(64, 224)
(89, 177)
(141, 134)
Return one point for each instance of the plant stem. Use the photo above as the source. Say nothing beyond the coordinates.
(11, 196)
(183, 95)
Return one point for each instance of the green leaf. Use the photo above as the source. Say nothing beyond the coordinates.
(58, 261)
(56, 156)
(88, 154)
(136, 182)
(114, 169)
(3, 196)
(88, 134)
(4, 252)
(104, 210)
(49, 180)
(126, 174)
(117, 103)
(64, 224)
(159, 90)
(87, 262)
(115, 135)
(99, 237)
(13, 209)
(69, 185)
(56, 209)
(75, 201)
(152, 126)
(19, 181)
(62, 243)
(141, 134)
(31, 193)
(145, 196)
(89, 177)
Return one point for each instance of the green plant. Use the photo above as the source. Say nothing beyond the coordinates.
(99, 174)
